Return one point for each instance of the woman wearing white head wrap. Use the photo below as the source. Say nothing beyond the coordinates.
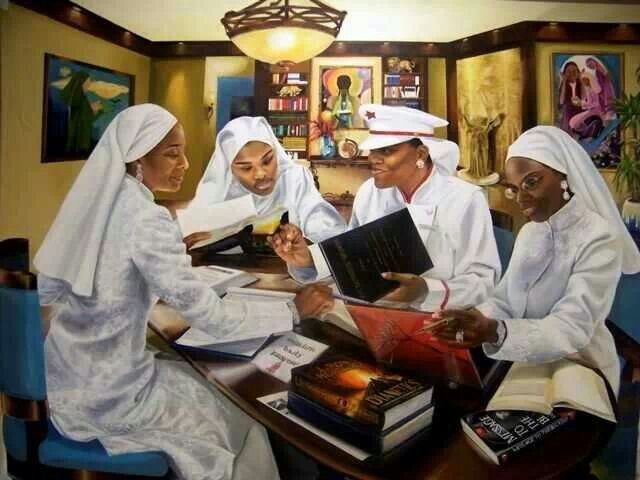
(110, 254)
(558, 290)
(411, 169)
(248, 159)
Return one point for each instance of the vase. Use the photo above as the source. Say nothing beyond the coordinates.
(631, 218)
(327, 147)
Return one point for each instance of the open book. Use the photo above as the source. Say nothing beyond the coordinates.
(224, 219)
(542, 387)
(220, 279)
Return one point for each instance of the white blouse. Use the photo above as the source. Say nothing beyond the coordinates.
(558, 291)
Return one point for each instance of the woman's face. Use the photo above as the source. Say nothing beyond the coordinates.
(571, 71)
(255, 167)
(164, 167)
(536, 187)
(393, 165)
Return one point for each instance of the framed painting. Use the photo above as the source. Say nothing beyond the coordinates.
(342, 90)
(585, 86)
(79, 102)
(235, 99)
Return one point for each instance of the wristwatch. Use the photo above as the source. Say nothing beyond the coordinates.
(501, 332)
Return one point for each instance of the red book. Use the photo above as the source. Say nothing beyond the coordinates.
(395, 337)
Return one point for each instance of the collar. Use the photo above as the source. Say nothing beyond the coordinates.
(569, 214)
(427, 183)
(141, 186)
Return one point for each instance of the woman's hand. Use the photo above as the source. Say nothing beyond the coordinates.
(412, 288)
(313, 300)
(465, 328)
(191, 240)
(289, 244)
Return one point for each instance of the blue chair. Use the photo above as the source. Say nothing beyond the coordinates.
(14, 254)
(34, 447)
(504, 241)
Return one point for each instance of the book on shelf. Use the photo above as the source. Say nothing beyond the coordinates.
(362, 392)
(287, 352)
(357, 258)
(402, 338)
(498, 435)
(220, 279)
(225, 219)
(561, 384)
(290, 78)
(367, 438)
(288, 104)
(402, 79)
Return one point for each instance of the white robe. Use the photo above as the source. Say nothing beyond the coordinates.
(558, 290)
(453, 219)
(103, 384)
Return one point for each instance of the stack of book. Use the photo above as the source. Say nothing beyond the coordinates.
(373, 409)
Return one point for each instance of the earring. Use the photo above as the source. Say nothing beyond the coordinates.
(565, 187)
(420, 163)
(139, 175)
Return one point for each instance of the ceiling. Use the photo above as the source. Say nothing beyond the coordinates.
(366, 20)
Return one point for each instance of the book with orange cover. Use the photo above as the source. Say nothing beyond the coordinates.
(360, 391)
(398, 338)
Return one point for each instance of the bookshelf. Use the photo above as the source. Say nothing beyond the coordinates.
(283, 99)
(405, 86)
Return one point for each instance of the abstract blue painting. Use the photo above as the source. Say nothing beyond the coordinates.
(79, 102)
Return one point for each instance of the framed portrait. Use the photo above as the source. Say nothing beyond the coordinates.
(342, 90)
(79, 101)
(584, 88)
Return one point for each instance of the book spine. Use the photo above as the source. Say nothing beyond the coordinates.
(332, 423)
(505, 454)
(334, 401)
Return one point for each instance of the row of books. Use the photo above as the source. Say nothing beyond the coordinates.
(401, 79)
(294, 143)
(291, 78)
(299, 130)
(403, 102)
(409, 91)
(293, 104)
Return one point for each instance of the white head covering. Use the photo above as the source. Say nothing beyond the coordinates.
(218, 182)
(392, 125)
(71, 248)
(555, 148)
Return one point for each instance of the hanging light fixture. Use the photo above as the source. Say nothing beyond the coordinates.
(279, 33)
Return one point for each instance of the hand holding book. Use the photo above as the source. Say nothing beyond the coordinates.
(465, 328)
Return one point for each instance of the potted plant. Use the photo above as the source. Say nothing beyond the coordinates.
(627, 175)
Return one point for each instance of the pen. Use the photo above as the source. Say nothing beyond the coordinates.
(431, 326)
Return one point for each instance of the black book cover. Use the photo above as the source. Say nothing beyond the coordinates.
(358, 257)
(500, 434)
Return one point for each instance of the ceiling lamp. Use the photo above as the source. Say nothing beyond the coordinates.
(279, 33)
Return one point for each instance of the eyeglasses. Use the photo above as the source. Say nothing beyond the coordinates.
(530, 183)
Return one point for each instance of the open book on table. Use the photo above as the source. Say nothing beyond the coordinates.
(220, 279)
(225, 219)
(562, 384)
(246, 341)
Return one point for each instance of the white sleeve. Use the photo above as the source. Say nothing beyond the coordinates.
(319, 271)
(160, 255)
(571, 323)
(476, 262)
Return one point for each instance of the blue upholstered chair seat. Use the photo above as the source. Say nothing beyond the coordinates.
(57, 451)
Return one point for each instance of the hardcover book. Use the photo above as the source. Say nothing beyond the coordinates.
(357, 258)
(500, 434)
(402, 338)
(367, 438)
(360, 391)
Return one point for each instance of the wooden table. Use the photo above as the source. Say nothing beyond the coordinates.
(444, 455)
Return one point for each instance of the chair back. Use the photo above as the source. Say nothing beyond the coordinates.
(626, 306)
(14, 254)
(22, 373)
(504, 241)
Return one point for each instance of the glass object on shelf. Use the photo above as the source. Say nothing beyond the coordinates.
(327, 147)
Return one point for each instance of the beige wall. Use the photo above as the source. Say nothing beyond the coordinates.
(437, 91)
(31, 192)
(631, 61)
